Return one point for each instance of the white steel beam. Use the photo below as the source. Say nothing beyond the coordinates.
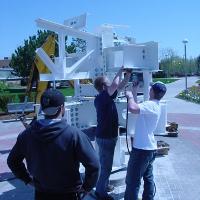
(60, 28)
(47, 61)
(79, 63)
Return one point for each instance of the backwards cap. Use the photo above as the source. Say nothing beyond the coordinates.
(51, 100)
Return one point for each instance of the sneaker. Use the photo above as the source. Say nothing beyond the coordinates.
(107, 197)
(110, 188)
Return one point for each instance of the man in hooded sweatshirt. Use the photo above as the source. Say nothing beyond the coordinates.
(53, 151)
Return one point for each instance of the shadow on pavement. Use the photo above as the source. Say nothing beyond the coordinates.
(5, 151)
(6, 176)
(15, 190)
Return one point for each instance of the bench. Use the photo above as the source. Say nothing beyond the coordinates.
(19, 109)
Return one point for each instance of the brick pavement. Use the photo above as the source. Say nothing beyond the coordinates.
(177, 175)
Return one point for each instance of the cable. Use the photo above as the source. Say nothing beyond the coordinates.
(127, 121)
(127, 127)
(154, 193)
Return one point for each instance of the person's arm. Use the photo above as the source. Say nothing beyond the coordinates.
(89, 158)
(115, 83)
(134, 90)
(15, 162)
(118, 83)
(123, 83)
(132, 102)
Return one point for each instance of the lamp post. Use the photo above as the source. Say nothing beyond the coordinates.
(167, 67)
(185, 41)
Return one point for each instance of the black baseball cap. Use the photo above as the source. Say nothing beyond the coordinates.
(159, 87)
(51, 100)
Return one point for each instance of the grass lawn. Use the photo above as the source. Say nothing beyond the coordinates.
(17, 91)
(17, 95)
(165, 80)
(67, 91)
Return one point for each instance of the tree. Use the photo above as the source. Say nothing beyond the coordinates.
(22, 59)
(198, 65)
(167, 57)
(167, 53)
(76, 45)
(79, 44)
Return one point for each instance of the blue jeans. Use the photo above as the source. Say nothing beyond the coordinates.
(140, 166)
(106, 154)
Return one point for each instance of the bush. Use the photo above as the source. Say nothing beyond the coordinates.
(30, 98)
(16, 90)
(165, 80)
(6, 98)
(3, 86)
(159, 74)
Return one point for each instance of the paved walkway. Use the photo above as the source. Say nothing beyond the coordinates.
(175, 105)
(177, 175)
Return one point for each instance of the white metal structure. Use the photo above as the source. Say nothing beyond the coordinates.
(102, 57)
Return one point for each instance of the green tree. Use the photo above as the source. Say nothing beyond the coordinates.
(79, 44)
(167, 57)
(22, 59)
(174, 65)
(198, 65)
(76, 45)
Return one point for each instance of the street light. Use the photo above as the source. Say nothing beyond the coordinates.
(167, 67)
(185, 41)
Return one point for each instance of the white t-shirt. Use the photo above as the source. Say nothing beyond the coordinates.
(145, 125)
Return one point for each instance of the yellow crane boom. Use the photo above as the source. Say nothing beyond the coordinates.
(49, 48)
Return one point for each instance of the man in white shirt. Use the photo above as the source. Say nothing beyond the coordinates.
(144, 144)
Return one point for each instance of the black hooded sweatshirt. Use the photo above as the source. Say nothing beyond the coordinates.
(53, 153)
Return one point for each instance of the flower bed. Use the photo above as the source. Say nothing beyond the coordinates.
(192, 95)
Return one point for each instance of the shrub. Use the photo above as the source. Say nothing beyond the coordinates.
(6, 98)
(3, 86)
(23, 95)
(159, 74)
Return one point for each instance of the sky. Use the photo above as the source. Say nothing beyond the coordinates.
(167, 22)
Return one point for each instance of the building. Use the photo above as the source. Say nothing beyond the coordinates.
(6, 70)
(4, 63)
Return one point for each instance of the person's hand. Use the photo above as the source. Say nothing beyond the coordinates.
(121, 69)
(135, 85)
(128, 70)
(128, 94)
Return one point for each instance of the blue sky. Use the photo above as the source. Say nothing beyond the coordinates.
(166, 21)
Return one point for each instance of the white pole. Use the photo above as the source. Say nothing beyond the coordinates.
(77, 88)
(147, 77)
(61, 47)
